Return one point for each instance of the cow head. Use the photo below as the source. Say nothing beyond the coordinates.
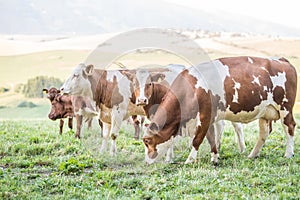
(143, 85)
(61, 107)
(155, 149)
(78, 83)
(51, 93)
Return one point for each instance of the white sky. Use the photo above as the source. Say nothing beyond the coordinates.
(282, 12)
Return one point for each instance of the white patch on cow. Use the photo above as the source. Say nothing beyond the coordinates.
(123, 83)
(191, 126)
(250, 60)
(236, 87)
(279, 80)
(76, 84)
(289, 152)
(142, 76)
(206, 72)
(263, 68)
(198, 122)
(192, 156)
(275, 59)
(265, 88)
(170, 154)
(256, 80)
(214, 157)
(266, 109)
(163, 147)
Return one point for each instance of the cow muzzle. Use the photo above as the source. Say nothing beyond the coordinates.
(142, 101)
(52, 117)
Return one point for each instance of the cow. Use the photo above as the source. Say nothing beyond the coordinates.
(149, 91)
(111, 90)
(78, 106)
(138, 122)
(246, 88)
(51, 94)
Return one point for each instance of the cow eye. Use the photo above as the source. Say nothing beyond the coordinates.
(75, 75)
(150, 83)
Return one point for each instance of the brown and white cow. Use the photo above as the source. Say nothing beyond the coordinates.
(111, 90)
(69, 106)
(239, 89)
(149, 92)
(51, 94)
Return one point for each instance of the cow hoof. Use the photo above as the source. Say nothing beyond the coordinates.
(214, 157)
(242, 150)
(216, 164)
(250, 156)
(289, 155)
(189, 161)
(77, 136)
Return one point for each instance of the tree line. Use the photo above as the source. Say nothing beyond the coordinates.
(34, 86)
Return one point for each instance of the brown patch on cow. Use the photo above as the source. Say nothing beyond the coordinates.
(249, 95)
(107, 92)
(155, 93)
(277, 95)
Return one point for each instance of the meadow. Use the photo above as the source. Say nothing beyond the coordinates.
(38, 163)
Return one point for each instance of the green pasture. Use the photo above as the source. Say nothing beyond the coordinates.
(38, 163)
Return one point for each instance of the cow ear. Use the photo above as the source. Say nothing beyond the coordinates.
(88, 70)
(153, 127)
(45, 91)
(157, 77)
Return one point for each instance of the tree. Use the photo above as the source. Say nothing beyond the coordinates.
(34, 86)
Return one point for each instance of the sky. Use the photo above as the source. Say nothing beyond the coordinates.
(282, 12)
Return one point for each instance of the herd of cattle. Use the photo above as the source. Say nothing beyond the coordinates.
(181, 101)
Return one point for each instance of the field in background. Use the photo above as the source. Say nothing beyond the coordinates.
(30, 56)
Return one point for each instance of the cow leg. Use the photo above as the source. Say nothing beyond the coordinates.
(170, 154)
(219, 128)
(238, 127)
(210, 136)
(136, 125)
(105, 133)
(61, 125)
(101, 126)
(198, 139)
(288, 123)
(79, 125)
(263, 134)
(118, 114)
(90, 123)
(70, 123)
(142, 124)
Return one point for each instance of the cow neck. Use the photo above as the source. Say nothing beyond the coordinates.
(170, 125)
(159, 92)
(97, 86)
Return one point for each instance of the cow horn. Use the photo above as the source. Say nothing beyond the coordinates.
(119, 64)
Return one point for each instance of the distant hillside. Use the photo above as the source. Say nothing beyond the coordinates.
(102, 16)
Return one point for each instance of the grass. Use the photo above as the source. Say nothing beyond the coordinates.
(36, 162)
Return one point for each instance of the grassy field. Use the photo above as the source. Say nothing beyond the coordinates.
(38, 163)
